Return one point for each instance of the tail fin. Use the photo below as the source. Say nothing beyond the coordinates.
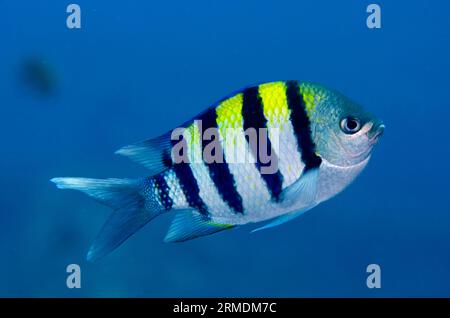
(131, 209)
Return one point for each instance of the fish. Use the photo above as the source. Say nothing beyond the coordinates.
(39, 76)
(214, 175)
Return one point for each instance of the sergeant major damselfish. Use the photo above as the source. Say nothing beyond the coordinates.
(319, 139)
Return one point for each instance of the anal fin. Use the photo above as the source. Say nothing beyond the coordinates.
(190, 224)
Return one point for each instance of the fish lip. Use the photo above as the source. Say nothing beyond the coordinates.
(376, 132)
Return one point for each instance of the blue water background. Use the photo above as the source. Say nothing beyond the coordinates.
(137, 68)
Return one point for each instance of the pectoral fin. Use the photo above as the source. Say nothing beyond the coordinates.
(282, 219)
(303, 191)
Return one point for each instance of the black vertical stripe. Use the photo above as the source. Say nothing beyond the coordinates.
(163, 191)
(166, 158)
(253, 117)
(189, 185)
(302, 126)
(219, 171)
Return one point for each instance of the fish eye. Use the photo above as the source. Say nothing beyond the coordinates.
(350, 125)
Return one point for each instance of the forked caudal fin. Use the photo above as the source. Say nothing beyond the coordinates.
(131, 210)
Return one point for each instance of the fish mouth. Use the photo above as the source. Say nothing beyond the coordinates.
(376, 132)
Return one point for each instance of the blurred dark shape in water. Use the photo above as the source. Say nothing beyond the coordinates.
(39, 76)
(66, 239)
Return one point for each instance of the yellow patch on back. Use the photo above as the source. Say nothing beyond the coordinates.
(193, 140)
(275, 104)
(229, 114)
(311, 98)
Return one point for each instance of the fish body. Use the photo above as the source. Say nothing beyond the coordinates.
(267, 152)
(39, 75)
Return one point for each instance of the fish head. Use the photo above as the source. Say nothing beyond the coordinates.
(344, 133)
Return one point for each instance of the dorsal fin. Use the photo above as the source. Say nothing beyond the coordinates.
(154, 154)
